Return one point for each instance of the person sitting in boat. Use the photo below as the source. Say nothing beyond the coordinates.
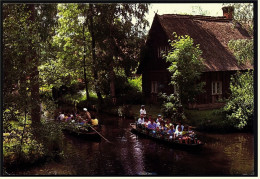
(163, 128)
(149, 120)
(158, 125)
(66, 117)
(140, 120)
(94, 121)
(168, 124)
(143, 111)
(171, 132)
(152, 125)
(180, 124)
(185, 136)
(159, 119)
(178, 131)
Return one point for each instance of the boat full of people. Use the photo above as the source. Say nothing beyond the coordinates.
(164, 131)
(81, 125)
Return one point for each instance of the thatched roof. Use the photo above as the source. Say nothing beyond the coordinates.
(213, 35)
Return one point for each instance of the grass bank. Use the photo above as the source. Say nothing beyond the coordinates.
(203, 120)
(208, 120)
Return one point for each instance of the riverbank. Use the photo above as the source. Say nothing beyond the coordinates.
(212, 120)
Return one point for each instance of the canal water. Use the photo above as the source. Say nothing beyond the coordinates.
(128, 154)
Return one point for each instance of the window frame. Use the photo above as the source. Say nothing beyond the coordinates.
(154, 87)
(216, 87)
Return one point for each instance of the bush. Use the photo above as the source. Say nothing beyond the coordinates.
(20, 145)
(209, 120)
(171, 107)
(239, 109)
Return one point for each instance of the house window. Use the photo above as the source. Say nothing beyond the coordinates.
(216, 87)
(154, 88)
(163, 50)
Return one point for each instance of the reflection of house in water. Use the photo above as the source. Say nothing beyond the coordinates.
(213, 35)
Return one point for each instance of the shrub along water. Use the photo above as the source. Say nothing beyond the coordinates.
(21, 147)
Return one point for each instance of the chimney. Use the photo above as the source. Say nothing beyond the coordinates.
(228, 12)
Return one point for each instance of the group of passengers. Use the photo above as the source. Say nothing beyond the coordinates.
(165, 129)
(81, 119)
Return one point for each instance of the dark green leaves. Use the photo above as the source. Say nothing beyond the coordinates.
(186, 67)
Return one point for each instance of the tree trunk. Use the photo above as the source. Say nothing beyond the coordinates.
(93, 46)
(34, 78)
(112, 85)
(84, 64)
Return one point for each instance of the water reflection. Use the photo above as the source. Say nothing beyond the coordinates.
(223, 154)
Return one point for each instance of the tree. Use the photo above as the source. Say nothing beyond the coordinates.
(186, 67)
(240, 106)
(172, 108)
(26, 31)
(19, 59)
(243, 15)
(116, 38)
(72, 42)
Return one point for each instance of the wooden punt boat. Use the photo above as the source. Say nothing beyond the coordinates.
(83, 133)
(173, 143)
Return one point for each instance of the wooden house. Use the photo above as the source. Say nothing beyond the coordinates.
(213, 35)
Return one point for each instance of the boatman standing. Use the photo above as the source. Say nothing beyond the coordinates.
(143, 111)
(87, 114)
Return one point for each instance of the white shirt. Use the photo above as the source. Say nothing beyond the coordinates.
(178, 132)
(182, 127)
(157, 120)
(140, 121)
(142, 111)
(158, 124)
(62, 116)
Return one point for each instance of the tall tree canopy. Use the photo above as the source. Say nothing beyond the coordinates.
(110, 43)
(117, 38)
(27, 29)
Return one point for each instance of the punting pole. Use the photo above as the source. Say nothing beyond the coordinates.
(100, 134)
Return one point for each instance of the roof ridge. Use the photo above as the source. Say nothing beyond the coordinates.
(197, 17)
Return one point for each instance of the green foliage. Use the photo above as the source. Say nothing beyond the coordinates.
(136, 83)
(186, 67)
(243, 50)
(244, 15)
(69, 46)
(118, 31)
(19, 144)
(171, 107)
(240, 107)
(209, 120)
(128, 90)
